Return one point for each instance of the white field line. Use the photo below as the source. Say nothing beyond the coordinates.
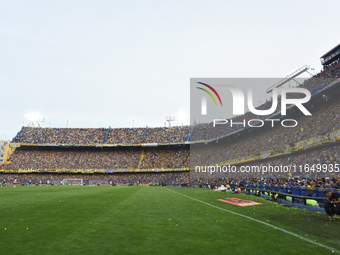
(264, 223)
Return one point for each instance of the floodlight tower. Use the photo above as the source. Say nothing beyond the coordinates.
(33, 118)
(175, 117)
(172, 117)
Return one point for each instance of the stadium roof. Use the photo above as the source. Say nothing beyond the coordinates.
(331, 55)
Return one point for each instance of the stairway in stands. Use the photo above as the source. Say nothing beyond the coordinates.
(141, 159)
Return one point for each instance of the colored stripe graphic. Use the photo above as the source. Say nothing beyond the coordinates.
(208, 93)
(213, 90)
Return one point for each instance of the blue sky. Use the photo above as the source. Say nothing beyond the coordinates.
(114, 63)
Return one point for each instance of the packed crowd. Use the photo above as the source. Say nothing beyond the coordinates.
(125, 135)
(295, 181)
(113, 158)
(318, 163)
(38, 159)
(91, 136)
(325, 118)
(60, 135)
(164, 134)
(73, 159)
(165, 158)
(330, 71)
(174, 178)
(103, 179)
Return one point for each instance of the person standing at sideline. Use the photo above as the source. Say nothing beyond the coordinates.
(332, 205)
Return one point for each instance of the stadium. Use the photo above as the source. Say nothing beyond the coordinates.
(258, 186)
(67, 157)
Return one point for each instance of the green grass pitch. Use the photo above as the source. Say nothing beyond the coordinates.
(154, 220)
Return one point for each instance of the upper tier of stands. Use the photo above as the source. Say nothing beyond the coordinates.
(91, 136)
